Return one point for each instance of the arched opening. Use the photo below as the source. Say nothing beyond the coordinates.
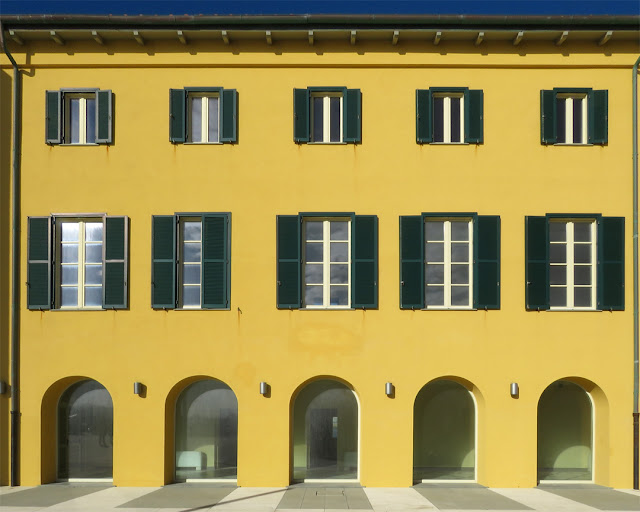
(206, 432)
(325, 432)
(85, 432)
(444, 433)
(565, 433)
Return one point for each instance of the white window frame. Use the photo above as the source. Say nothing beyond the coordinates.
(82, 118)
(204, 117)
(568, 118)
(446, 116)
(326, 117)
(447, 262)
(326, 262)
(182, 262)
(570, 264)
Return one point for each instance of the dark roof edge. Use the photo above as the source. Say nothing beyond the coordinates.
(321, 21)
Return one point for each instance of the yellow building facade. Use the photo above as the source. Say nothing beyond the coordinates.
(360, 303)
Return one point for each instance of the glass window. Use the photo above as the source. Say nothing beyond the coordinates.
(326, 117)
(448, 118)
(571, 118)
(204, 120)
(191, 258)
(80, 115)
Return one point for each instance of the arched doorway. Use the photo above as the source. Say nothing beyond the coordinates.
(206, 432)
(444, 433)
(565, 433)
(325, 432)
(85, 432)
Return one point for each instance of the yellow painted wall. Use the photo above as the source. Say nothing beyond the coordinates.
(266, 174)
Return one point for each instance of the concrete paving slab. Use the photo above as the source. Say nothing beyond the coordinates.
(540, 500)
(397, 500)
(601, 498)
(251, 499)
(104, 500)
(181, 496)
(467, 498)
(49, 495)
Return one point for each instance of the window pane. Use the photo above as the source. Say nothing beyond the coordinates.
(213, 120)
(93, 274)
(74, 120)
(339, 230)
(93, 231)
(577, 120)
(317, 119)
(313, 295)
(91, 120)
(455, 120)
(582, 253)
(558, 253)
(459, 295)
(460, 274)
(196, 120)
(434, 274)
(313, 251)
(434, 295)
(435, 251)
(557, 274)
(69, 274)
(582, 274)
(339, 251)
(339, 296)
(70, 231)
(69, 253)
(582, 297)
(438, 119)
(93, 296)
(460, 252)
(557, 231)
(582, 231)
(459, 231)
(69, 296)
(313, 274)
(190, 296)
(313, 230)
(335, 120)
(191, 274)
(192, 231)
(558, 297)
(339, 274)
(93, 253)
(561, 120)
(434, 230)
(192, 252)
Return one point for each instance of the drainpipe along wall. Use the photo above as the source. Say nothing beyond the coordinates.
(636, 414)
(15, 270)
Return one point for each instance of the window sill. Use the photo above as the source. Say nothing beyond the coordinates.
(191, 309)
(573, 144)
(572, 309)
(202, 143)
(331, 308)
(327, 143)
(443, 308)
(77, 144)
(448, 143)
(81, 309)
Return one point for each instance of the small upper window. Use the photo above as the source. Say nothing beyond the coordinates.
(80, 118)
(571, 118)
(448, 118)
(326, 117)
(204, 122)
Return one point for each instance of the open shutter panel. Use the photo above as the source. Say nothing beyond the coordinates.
(353, 116)
(215, 261)
(229, 117)
(288, 247)
(474, 116)
(547, 117)
(114, 290)
(53, 117)
(177, 115)
(163, 271)
(486, 269)
(598, 123)
(424, 131)
(537, 263)
(300, 115)
(104, 117)
(610, 284)
(365, 262)
(39, 263)
(411, 262)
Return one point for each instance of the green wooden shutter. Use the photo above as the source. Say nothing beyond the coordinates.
(411, 262)
(177, 115)
(163, 265)
(474, 116)
(104, 115)
(598, 123)
(39, 263)
(424, 118)
(53, 117)
(289, 261)
(352, 116)
(486, 268)
(364, 264)
(114, 289)
(215, 261)
(537, 263)
(300, 115)
(229, 115)
(610, 285)
(548, 117)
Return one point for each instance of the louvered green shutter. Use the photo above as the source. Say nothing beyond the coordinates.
(229, 115)
(163, 254)
(537, 263)
(474, 116)
(353, 116)
(486, 269)
(598, 124)
(177, 115)
(114, 290)
(104, 114)
(364, 266)
(424, 118)
(39, 263)
(547, 117)
(300, 115)
(215, 261)
(288, 248)
(610, 283)
(411, 262)
(53, 117)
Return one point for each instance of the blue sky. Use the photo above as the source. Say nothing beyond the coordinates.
(163, 7)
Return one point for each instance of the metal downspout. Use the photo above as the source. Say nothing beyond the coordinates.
(15, 271)
(636, 414)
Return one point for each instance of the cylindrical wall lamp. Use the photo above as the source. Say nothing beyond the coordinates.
(514, 389)
(138, 388)
(264, 388)
(389, 389)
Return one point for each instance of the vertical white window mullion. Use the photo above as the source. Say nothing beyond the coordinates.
(470, 262)
(326, 254)
(326, 120)
(584, 136)
(568, 120)
(82, 121)
(446, 114)
(462, 121)
(204, 119)
(342, 139)
(594, 262)
(447, 260)
(570, 266)
(81, 254)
